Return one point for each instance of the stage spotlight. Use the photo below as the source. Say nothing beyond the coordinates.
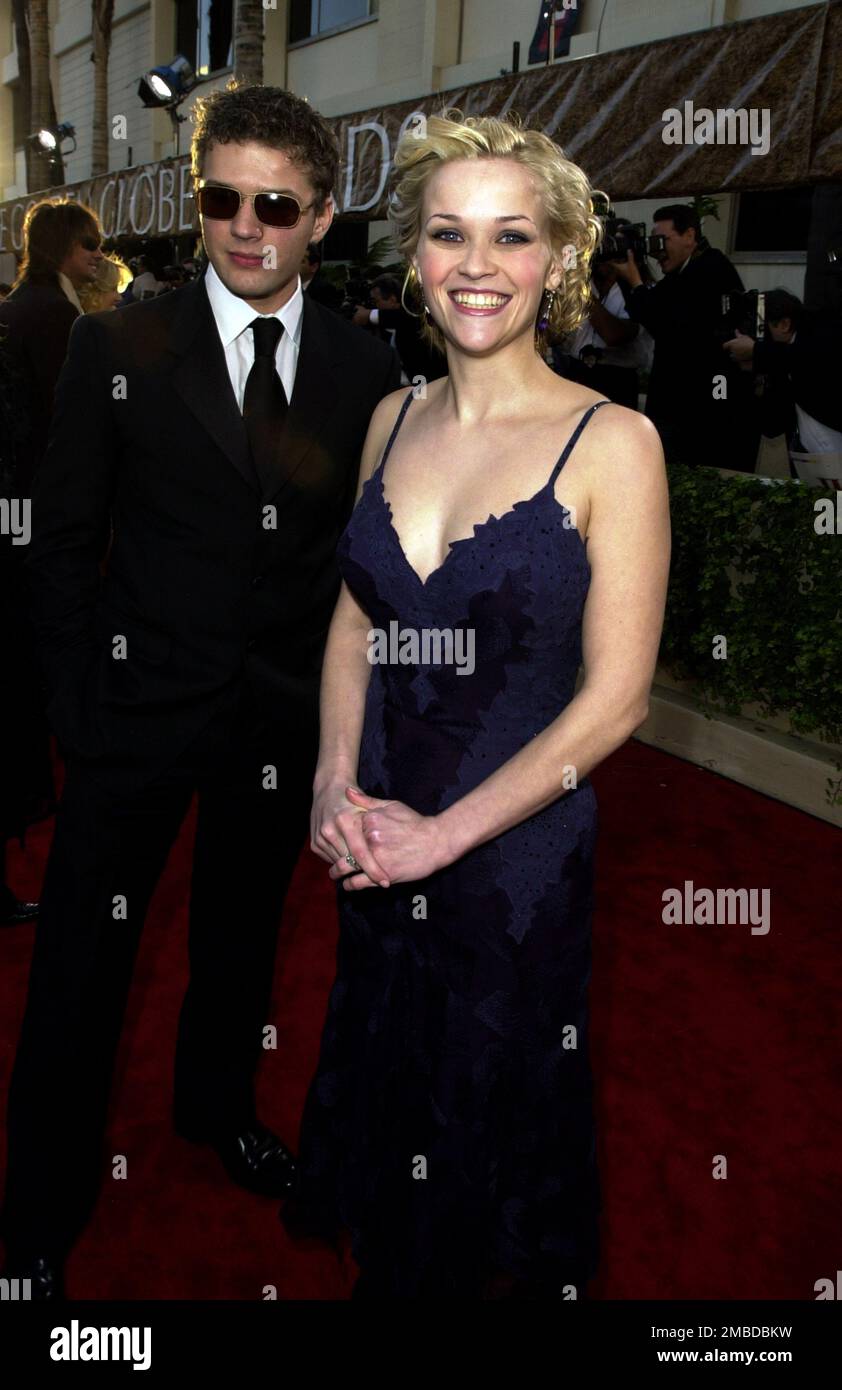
(50, 138)
(167, 85)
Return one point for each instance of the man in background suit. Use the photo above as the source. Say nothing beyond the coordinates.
(314, 283)
(61, 253)
(799, 356)
(389, 317)
(683, 311)
(221, 427)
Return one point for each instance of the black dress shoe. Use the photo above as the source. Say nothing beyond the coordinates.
(15, 912)
(45, 1275)
(254, 1157)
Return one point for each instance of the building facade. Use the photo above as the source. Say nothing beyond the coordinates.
(344, 56)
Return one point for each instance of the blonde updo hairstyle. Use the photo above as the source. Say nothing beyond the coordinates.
(563, 188)
(112, 274)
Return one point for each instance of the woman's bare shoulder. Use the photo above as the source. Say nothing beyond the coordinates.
(632, 435)
(387, 410)
(618, 451)
(380, 426)
(622, 456)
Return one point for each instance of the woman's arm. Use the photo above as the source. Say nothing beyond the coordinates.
(346, 672)
(628, 550)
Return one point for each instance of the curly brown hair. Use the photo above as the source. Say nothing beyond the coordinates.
(566, 195)
(271, 116)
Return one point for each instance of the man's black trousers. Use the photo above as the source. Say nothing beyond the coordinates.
(110, 846)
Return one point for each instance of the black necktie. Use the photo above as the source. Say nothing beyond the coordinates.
(265, 404)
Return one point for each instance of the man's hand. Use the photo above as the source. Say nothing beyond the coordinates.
(628, 270)
(740, 348)
(361, 316)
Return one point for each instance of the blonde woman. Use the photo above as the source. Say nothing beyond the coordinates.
(524, 519)
(112, 277)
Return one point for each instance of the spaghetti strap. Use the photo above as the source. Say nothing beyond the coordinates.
(573, 438)
(395, 429)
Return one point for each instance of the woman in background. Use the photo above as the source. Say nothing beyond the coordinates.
(106, 291)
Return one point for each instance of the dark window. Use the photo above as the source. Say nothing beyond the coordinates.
(204, 33)
(310, 17)
(778, 220)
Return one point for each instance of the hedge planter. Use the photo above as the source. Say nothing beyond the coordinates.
(752, 636)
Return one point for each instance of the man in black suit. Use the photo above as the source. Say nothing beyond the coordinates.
(799, 356)
(389, 316)
(220, 426)
(698, 399)
(61, 253)
(314, 283)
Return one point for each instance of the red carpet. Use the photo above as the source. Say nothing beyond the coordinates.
(707, 1041)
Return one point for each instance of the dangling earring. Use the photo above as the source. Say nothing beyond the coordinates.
(412, 272)
(427, 315)
(544, 319)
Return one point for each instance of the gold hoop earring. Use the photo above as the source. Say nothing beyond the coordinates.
(411, 271)
(425, 313)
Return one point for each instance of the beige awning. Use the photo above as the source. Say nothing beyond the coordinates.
(780, 74)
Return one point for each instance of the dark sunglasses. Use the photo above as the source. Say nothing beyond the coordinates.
(90, 243)
(222, 204)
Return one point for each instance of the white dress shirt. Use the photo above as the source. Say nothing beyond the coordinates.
(69, 290)
(816, 437)
(233, 316)
(147, 283)
(635, 353)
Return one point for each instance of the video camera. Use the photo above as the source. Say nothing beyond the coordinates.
(619, 237)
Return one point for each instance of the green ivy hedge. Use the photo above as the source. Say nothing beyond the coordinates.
(748, 565)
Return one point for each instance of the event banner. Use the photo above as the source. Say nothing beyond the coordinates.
(752, 105)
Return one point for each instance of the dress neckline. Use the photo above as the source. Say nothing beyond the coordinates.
(480, 525)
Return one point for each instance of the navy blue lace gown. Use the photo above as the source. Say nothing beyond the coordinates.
(449, 1124)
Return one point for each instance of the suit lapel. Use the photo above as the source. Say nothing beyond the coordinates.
(317, 383)
(200, 376)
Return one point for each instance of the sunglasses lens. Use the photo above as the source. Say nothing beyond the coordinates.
(276, 210)
(90, 243)
(222, 203)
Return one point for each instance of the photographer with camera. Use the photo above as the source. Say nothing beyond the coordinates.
(608, 350)
(798, 356)
(701, 418)
(388, 315)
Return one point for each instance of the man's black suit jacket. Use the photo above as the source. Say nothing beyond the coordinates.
(208, 580)
(804, 372)
(417, 358)
(35, 323)
(683, 312)
(321, 291)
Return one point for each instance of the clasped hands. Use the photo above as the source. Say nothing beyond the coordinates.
(390, 842)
